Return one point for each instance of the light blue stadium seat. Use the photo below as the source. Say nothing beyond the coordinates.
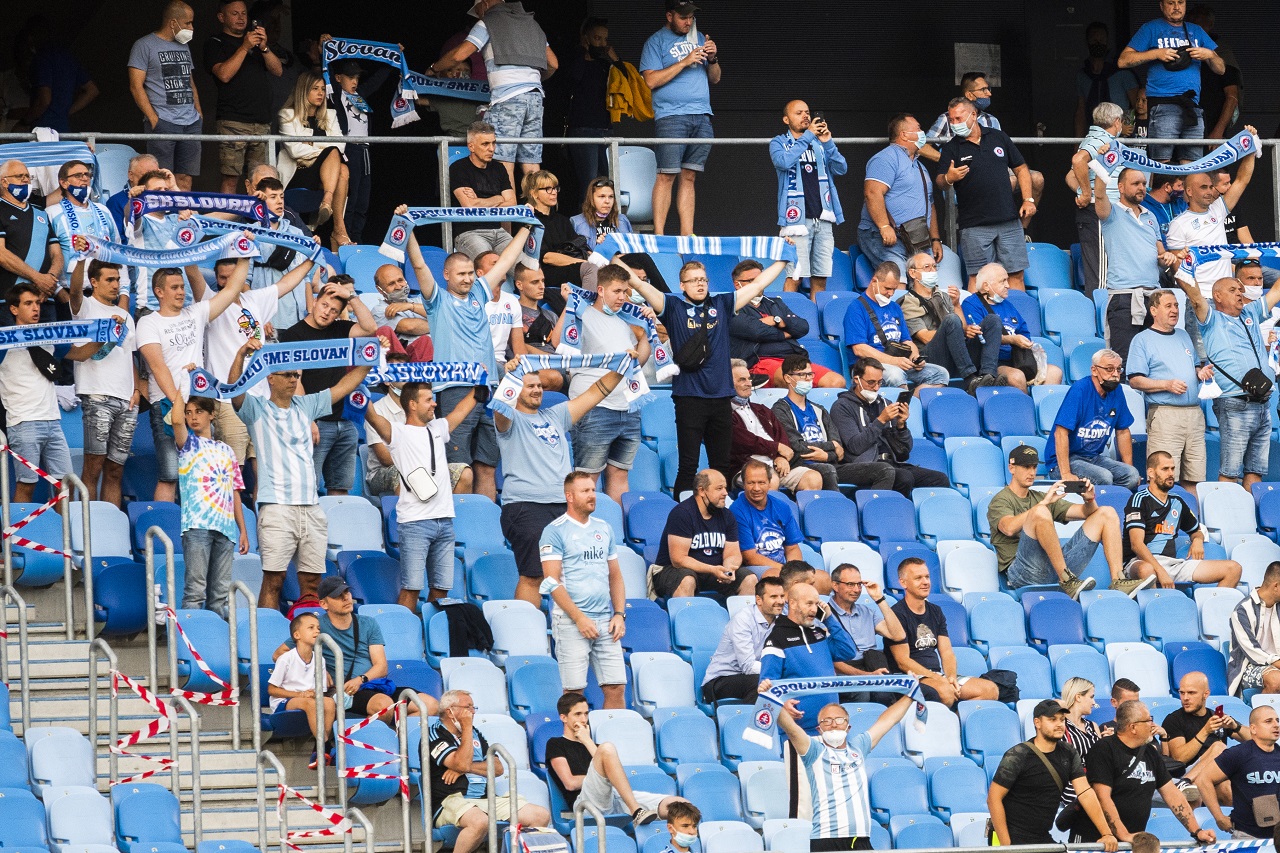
(648, 628)
(1113, 619)
(1049, 268)
(533, 687)
(78, 816)
(662, 680)
(1047, 399)
(631, 733)
(1226, 508)
(684, 737)
(696, 628)
(401, 629)
(1215, 605)
(788, 835)
(760, 790)
(615, 840)
(1071, 660)
(988, 732)
(354, 524)
(968, 829)
(646, 518)
(1254, 557)
(731, 721)
(209, 633)
(804, 308)
(899, 791)
(1067, 314)
(145, 814)
(479, 677)
(1142, 664)
(477, 522)
(949, 412)
(893, 553)
(646, 470)
(1080, 359)
(1035, 676)
(862, 716)
(371, 791)
(955, 786)
(1028, 309)
(109, 527)
(729, 836)
(491, 576)
(1056, 620)
(1168, 616)
(946, 515)
(975, 462)
(1009, 413)
(859, 554)
(970, 569)
(940, 738)
(919, 831)
(518, 628)
(994, 619)
(925, 454)
(970, 661)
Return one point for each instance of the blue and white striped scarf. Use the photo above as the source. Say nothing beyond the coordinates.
(1237, 147)
(296, 355)
(402, 112)
(460, 373)
(1236, 252)
(170, 201)
(770, 702)
(228, 246)
(504, 401)
(104, 331)
(580, 300)
(772, 248)
(39, 155)
(397, 237)
(303, 245)
(448, 87)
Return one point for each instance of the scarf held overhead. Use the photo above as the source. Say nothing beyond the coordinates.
(1236, 148)
(504, 401)
(303, 245)
(397, 237)
(1199, 254)
(455, 373)
(166, 201)
(448, 87)
(297, 355)
(580, 300)
(103, 331)
(771, 248)
(402, 112)
(228, 246)
(770, 703)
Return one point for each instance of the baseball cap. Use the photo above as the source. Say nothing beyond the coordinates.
(1048, 708)
(681, 7)
(1024, 455)
(332, 587)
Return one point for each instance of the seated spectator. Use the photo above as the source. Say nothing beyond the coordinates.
(478, 182)
(398, 313)
(292, 685)
(944, 335)
(562, 252)
(808, 426)
(758, 435)
(875, 437)
(683, 819)
(580, 767)
(765, 331)
(769, 534)
(734, 671)
(699, 550)
(1255, 638)
(1026, 540)
(874, 327)
(1093, 411)
(862, 622)
(600, 215)
(1196, 734)
(925, 647)
(305, 165)
(794, 572)
(458, 776)
(1017, 360)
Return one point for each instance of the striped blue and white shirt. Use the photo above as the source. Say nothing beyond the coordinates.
(838, 788)
(282, 437)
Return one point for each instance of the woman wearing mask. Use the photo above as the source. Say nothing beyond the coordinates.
(307, 165)
(1018, 362)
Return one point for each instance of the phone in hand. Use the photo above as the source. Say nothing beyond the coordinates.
(814, 118)
(1218, 711)
(1075, 487)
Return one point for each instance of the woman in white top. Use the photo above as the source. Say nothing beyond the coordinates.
(306, 165)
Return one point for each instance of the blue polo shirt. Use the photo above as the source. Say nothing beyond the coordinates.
(1161, 82)
(767, 530)
(910, 192)
(975, 310)
(1234, 344)
(689, 92)
(1090, 419)
(1165, 355)
(858, 328)
(1130, 241)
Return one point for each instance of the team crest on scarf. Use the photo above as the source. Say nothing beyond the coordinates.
(186, 236)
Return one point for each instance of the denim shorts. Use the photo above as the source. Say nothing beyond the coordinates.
(574, 651)
(519, 116)
(673, 158)
(474, 440)
(335, 454)
(1004, 244)
(182, 158)
(426, 553)
(606, 437)
(109, 423)
(930, 374)
(813, 250)
(1245, 430)
(166, 450)
(1031, 564)
(1166, 121)
(43, 444)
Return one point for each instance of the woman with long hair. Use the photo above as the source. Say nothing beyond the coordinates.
(563, 254)
(601, 216)
(307, 165)
(1082, 733)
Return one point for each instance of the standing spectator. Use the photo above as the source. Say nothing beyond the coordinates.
(242, 64)
(29, 247)
(699, 551)
(316, 167)
(1077, 700)
(1101, 79)
(352, 113)
(703, 391)
(1166, 200)
(212, 518)
(1253, 770)
(876, 328)
(76, 213)
(1255, 638)
(109, 386)
(1152, 521)
(589, 604)
(807, 162)
(1234, 346)
(589, 100)
(925, 647)
(1219, 93)
(164, 89)
(1108, 125)
(253, 184)
(335, 450)
(1203, 223)
(280, 263)
(424, 511)
(941, 332)
(1162, 365)
(1093, 412)
(765, 332)
(154, 230)
(809, 428)
(976, 162)
(1175, 49)
(1024, 793)
(862, 622)
(291, 525)
(758, 435)
(517, 62)
(896, 193)
(477, 183)
(734, 670)
(139, 165)
(535, 455)
(1018, 364)
(680, 64)
(1125, 770)
(1197, 734)
(60, 88)
(767, 526)
(876, 440)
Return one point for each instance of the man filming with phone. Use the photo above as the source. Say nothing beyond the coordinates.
(1025, 537)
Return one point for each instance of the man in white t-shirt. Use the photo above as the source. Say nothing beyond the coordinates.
(424, 512)
(108, 384)
(171, 339)
(503, 311)
(34, 424)
(1203, 223)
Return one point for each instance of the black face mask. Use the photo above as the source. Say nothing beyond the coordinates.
(598, 52)
(1109, 385)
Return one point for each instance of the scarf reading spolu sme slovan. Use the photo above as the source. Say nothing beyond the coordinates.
(402, 111)
(770, 702)
(102, 331)
(304, 245)
(770, 248)
(228, 246)
(397, 236)
(1239, 146)
(448, 87)
(169, 201)
(580, 300)
(504, 400)
(1236, 252)
(272, 358)
(460, 373)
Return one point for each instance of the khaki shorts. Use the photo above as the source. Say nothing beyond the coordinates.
(237, 157)
(454, 806)
(231, 430)
(286, 532)
(1179, 431)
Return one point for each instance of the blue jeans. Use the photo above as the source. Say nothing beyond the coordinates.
(1245, 430)
(930, 374)
(1031, 564)
(426, 554)
(606, 437)
(1103, 471)
(335, 455)
(673, 158)
(208, 555)
(813, 250)
(166, 450)
(43, 444)
(877, 252)
(182, 157)
(1167, 121)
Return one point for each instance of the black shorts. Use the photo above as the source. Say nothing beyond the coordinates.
(666, 581)
(834, 845)
(360, 701)
(522, 525)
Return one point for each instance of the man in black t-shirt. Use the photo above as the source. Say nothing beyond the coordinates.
(1028, 784)
(335, 444)
(1125, 769)
(477, 182)
(1195, 734)
(578, 766)
(242, 65)
(699, 550)
(31, 251)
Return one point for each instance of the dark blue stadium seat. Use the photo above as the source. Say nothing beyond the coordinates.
(829, 516)
(374, 577)
(1056, 620)
(1208, 661)
(1008, 413)
(648, 628)
(885, 515)
(894, 552)
(1028, 309)
(120, 591)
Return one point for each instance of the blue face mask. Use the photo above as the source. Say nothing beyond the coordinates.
(80, 194)
(961, 130)
(741, 401)
(607, 310)
(803, 388)
(19, 191)
(982, 103)
(684, 839)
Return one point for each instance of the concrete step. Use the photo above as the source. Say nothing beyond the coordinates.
(225, 821)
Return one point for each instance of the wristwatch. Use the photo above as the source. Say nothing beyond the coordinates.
(364, 679)
(1032, 200)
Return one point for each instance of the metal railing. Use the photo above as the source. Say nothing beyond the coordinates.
(69, 482)
(424, 762)
(266, 756)
(356, 816)
(100, 647)
(255, 681)
(340, 718)
(171, 592)
(497, 750)
(9, 594)
(197, 818)
(581, 805)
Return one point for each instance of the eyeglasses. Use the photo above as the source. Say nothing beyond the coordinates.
(289, 374)
(1143, 722)
(80, 175)
(850, 583)
(1102, 369)
(834, 722)
(986, 89)
(23, 178)
(808, 374)
(699, 280)
(551, 189)
(870, 383)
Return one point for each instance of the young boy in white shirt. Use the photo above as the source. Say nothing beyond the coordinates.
(292, 686)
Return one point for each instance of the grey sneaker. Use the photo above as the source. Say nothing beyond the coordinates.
(1073, 586)
(1131, 587)
(641, 816)
(1191, 792)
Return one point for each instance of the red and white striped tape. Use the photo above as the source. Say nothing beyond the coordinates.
(38, 511)
(226, 697)
(338, 824)
(362, 771)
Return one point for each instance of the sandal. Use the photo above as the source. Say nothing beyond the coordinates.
(338, 242)
(323, 215)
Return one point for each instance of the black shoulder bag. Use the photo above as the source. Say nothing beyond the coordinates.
(893, 349)
(694, 352)
(1255, 384)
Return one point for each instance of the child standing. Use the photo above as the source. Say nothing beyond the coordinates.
(209, 481)
(292, 686)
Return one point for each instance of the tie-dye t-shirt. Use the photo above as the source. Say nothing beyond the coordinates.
(207, 475)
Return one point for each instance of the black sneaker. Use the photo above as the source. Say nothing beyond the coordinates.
(972, 384)
(641, 816)
(987, 380)
(1001, 379)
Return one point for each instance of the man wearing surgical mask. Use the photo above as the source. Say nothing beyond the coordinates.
(76, 214)
(765, 331)
(897, 190)
(874, 327)
(940, 330)
(392, 308)
(29, 249)
(162, 85)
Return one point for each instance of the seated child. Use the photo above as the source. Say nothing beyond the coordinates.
(292, 686)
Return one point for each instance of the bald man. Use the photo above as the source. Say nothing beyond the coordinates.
(391, 306)
(1195, 734)
(1253, 771)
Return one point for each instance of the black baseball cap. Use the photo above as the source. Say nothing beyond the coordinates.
(332, 587)
(681, 7)
(1025, 456)
(1048, 708)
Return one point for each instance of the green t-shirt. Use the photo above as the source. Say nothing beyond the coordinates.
(1006, 503)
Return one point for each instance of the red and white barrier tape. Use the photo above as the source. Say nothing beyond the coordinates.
(362, 771)
(338, 824)
(225, 697)
(38, 511)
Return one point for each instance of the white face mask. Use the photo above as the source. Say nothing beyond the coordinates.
(868, 395)
(929, 278)
(995, 298)
(882, 300)
(757, 301)
(184, 36)
(835, 738)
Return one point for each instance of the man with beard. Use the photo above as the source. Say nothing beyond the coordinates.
(734, 671)
(699, 550)
(1253, 769)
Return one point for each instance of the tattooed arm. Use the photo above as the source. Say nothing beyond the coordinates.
(1177, 803)
(1109, 811)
